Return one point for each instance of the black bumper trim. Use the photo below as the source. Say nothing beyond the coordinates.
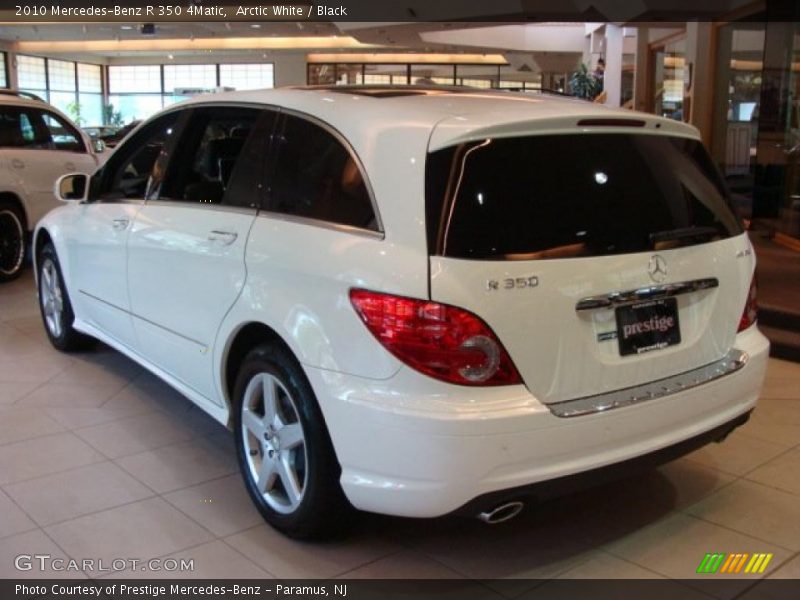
(562, 486)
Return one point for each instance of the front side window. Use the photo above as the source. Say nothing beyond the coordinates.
(567, 196)
(133, 166)
(316, 177)
(63, 135)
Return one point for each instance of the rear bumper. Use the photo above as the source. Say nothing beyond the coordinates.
(586, 479)
(412, 447)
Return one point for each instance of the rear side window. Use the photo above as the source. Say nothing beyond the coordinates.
(23, 128)
(564, 196)
(316, 177)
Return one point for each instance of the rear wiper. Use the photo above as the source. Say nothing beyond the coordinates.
(683, 233)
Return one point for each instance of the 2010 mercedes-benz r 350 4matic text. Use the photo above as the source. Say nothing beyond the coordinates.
(416, 301)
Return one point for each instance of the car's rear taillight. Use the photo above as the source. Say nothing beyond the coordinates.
(442, 341)
(750, 313)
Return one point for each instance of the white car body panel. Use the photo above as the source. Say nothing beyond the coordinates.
(30, 174)
(556, 348)
(175, 252)
(408, 444)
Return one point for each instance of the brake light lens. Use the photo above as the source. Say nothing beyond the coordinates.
(750, 313)
(444, 342)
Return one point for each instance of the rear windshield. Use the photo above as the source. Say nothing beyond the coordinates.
(564, 196)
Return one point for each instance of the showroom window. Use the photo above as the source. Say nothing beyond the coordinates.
(90, 94)
(74, 88)
(62, 86)
(138, 91)
(195, 77)
(316, 177)
(247, 76)
(3, 70)
(32, 75)
(481, 76)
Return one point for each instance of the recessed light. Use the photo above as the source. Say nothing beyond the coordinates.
(255, 25)
(126, 27)
(170, 56)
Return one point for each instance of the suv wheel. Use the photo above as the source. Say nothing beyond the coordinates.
(12, 242)
(283, 447)
(55, 306)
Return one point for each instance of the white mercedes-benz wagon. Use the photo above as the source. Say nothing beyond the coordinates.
(416, 301)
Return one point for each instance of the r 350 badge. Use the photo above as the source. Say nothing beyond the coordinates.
(512, 283)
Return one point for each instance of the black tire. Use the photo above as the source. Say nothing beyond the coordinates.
(13, 241)
(323, 511)
(59, 330)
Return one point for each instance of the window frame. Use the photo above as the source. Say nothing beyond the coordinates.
(274, 152)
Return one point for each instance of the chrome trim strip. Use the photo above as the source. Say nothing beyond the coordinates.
(268, 214)
(613, 299)
(244, 210)
(730, 363)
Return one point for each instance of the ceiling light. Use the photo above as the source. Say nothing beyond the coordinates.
(255, 25)
(126, 27)
(170, 56)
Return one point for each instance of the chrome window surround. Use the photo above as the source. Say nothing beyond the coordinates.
(730, 363)
(650, 292)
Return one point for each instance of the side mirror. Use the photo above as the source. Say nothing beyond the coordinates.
(98, 146)
(72, 187)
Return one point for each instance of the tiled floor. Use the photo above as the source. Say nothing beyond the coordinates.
(98, 459)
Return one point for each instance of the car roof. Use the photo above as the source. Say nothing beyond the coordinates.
(15, 100)
(456, 113)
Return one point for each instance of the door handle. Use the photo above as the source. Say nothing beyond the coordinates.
(120, 224)
(17, 164)
(226, 238)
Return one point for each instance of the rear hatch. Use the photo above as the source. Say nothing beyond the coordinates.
(602, 258)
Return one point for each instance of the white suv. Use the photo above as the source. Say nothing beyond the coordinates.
(416, 301)
(38, 144)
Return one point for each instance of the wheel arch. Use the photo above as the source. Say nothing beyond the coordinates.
(244, 339)
(42, 237)
(15, 200)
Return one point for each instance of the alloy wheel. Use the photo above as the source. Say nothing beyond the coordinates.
(51, 298)
(12, 242)
(274, 443)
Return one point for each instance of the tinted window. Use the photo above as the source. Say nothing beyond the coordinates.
(63, 135)
(204, 160)
(316, 177)
(23, 128)
(128, 172)
(246, 186)
(565, 196)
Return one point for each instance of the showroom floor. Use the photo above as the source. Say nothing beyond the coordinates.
(98, 459)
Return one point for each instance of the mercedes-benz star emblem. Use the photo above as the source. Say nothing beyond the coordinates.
(657, 268)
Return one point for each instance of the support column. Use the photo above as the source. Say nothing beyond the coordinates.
(641, 74)
(612, 80)
(699, 55)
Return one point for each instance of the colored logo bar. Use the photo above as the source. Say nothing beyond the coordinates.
(734, 563)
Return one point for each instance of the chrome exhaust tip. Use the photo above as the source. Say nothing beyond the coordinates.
(502, 512)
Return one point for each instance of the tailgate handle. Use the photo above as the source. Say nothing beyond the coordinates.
(651, 292)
